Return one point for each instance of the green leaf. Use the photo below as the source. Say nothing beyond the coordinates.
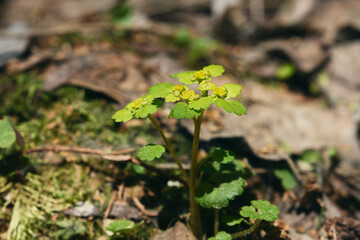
(311, 156)
(285, 71)
(181, 110)
(232, 220)
(7, 134)
(150, 151)
(234, 90)
(122, 115)
(288, 181)
(123, 226)
(215, 70)
(260, 209)
(184, 77)
(202, 103)
(151, 108)
(220, 192)
(221, 236)
(231, 106)
(223, 156)
(171, 98)
(161, 90)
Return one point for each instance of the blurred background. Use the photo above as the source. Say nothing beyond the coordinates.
(67, 65)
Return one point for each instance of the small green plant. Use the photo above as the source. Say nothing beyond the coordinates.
(216, 179)
(7, 134)
(124, 227)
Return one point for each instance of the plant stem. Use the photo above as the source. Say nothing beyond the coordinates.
(171, 150)
(195, 220)
(216, 223)
(251, 229)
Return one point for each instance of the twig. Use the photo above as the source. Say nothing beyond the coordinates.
(142, 208)
(59, 29)
(113, 156)
(293, 168)
(111, 203)
(171, 166)
(153, 27)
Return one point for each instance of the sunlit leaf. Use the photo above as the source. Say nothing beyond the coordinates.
(7, 134)
(184, 77)
(160, 90)
(123, 226)
(150, 152)
(122, 115)
(150, 108)
(171, 98)
(231, 106)
(234, 90)
(221, 236)
(215, 70)
(202, 103)
(181, 110)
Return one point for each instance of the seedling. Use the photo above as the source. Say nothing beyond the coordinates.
(216, 179)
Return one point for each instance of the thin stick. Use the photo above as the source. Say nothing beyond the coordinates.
(58, 148)
(293, 168)
(169, 147)
(248, 231)
(111, 203)
(142, 208)
(216, 223)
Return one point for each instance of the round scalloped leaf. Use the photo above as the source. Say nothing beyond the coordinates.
(202, 103)
(184, 77)
(261, 209)
(215, 70)
(122, 115)
(123, 226)
(231, 106)
(181, 110)
(218, 195)
(161, 90)
(171, 98)
(150, 152)
(7, 134)
(151, 108)
(221, 236)
(223, 156)
(234, 90)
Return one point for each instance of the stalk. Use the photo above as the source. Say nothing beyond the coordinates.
(195, 220)
(216, 223)
(251, 229)
(169, 148)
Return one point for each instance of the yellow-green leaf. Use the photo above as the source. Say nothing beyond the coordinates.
(215, 70)
(184, 77)
(233, 90)
(150, 152)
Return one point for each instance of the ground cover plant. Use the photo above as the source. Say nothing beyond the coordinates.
(210, 182)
